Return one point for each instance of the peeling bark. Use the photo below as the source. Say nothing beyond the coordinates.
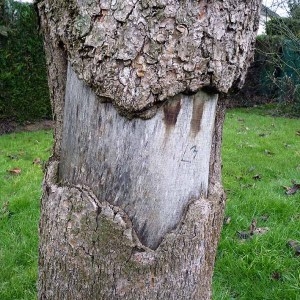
(132, 207)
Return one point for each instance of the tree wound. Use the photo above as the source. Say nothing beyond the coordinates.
(154, 170)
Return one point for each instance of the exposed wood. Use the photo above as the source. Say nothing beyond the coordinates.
(89, 248)
(150, 168)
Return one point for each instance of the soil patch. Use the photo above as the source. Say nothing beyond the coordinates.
(9, 126)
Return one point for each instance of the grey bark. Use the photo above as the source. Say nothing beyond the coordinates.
(133, 203)
(138, 53)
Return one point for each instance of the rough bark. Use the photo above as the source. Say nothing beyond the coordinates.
(56, 57)
(132, 208)
(138, 53)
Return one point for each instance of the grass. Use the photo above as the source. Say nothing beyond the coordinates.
(255, 146)
(19, 211)
(261, 154)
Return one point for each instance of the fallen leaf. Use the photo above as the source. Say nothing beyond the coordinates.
(226, 220)
(253, 230)
(37, 161)
(268, 152)
(298, 132)
(257, 177)
(292, 189)
(15, 171)
(295, 245)
(276, 275)
(261, 230)
(243, 235)
(252, 226)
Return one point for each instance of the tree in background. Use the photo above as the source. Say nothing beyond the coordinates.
(294, 8)
(280, 51)
(133, 202)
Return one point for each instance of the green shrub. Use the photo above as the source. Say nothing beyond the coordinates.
(275, 74)
(24, 91)
(283, 26)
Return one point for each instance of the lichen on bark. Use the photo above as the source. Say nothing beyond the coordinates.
(139, 53)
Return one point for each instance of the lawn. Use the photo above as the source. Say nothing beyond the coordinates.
(261, 156)
(22, 156)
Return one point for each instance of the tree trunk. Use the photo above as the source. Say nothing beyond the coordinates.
(133, 203)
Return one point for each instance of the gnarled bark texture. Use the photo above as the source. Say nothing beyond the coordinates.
(139, 53)
(133, 203)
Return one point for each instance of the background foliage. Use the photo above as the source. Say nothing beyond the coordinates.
(24, 91)
(275, 74)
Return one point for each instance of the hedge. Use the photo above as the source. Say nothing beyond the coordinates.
(24, 94)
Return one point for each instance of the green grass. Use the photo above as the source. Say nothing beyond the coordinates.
(254, 144)
(19, 211)
(262, 267)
